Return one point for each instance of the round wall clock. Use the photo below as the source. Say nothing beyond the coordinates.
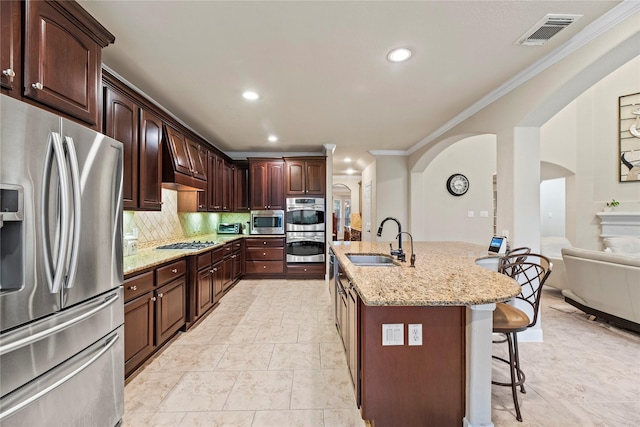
(457, 184)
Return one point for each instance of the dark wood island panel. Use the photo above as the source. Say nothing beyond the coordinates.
(413, 385)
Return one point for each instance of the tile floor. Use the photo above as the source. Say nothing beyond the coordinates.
(269, 355)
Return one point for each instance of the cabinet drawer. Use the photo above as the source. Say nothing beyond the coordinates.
(311, 270)
(227, 249)
(171, 271)
(264, 267)
(216, 255)
(204, 260)
(138, 285)
(237, 245)
(271, 242)
(265, 254)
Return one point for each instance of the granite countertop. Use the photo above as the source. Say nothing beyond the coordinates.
(445, 275)
(152, 257)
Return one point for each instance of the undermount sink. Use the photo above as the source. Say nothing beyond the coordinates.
(371, 260)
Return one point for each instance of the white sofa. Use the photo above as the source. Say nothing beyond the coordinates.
(604, 284)
(551, 248)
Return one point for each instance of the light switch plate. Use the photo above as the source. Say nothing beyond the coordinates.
(471, 214)
(393, 334)
(484, 214)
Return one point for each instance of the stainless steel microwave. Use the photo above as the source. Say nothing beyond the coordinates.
(267, 222)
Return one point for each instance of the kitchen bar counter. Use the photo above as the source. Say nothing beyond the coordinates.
(152, 257)
(445, 275)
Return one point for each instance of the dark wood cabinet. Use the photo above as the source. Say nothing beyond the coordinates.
(266, 184)
(227, 187)
(205, 295)
(62, 58)
(177, 144)
(198, 163)
(10, 47)
(181, 163)
(305, 176)
(138, 331)
(241, 187)
(264, 257)
(141, 135)
(170, 309)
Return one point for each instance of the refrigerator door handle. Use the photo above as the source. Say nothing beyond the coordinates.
(94, 308)
(40, 394)
(55, 274)
(77, 211)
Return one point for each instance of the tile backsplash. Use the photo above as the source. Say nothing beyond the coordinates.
(168, 225)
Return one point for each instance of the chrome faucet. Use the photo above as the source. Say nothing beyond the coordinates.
(413, 255)
(399, 253)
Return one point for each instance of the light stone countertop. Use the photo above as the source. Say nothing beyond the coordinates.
(152, 257)
(445, 275)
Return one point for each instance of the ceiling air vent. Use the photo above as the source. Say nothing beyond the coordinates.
(546, 28)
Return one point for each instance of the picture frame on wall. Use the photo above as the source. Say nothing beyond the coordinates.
(629, 137)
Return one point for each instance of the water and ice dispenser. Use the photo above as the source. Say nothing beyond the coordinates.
(11, 237)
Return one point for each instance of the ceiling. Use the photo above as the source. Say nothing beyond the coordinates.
(320, 67)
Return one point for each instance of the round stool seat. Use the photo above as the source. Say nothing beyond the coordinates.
(507, 318)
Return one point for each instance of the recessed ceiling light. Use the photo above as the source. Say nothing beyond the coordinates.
(347, 159)
(399, 55)
(272, 138)
(250, 95)
(350, 171)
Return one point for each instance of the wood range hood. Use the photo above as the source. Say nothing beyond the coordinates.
(183, 168)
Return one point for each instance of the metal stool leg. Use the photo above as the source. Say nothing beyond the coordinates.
(514, 373)
(518, 370)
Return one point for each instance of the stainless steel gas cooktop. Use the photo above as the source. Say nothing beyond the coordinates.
(188, 245)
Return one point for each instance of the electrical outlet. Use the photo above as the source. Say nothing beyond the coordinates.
(415, 334)
(471, 214)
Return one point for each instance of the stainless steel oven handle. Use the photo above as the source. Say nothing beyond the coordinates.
(305, 239)
(94, 308)
(29, 400)
(77, 211)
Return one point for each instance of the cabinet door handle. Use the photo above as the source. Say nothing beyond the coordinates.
(37, 86)
(8, 72)
(160, 295)
(174, 270)
(133, 288)
(233, 256)
(215, 269)
(154, 299)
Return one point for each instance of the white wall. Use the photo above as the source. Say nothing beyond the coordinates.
(368, 207)
(552, 207)
(392, 189)
(583, 137)
(445, 217)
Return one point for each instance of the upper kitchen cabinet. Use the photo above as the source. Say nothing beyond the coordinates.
(219, 183)
(62, 58)
(182, 164)
(240, 187)
(10, 45)
(140, 132)
(266, 183)
(305, 176)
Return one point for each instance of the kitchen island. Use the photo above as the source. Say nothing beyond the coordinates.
(440, 375)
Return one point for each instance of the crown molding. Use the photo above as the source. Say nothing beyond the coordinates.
(389, 152)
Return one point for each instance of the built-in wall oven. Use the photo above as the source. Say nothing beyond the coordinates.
(305, 223)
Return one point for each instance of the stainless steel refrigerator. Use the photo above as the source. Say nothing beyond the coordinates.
(61, 296)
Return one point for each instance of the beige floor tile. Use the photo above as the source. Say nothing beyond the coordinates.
(147, 390)
(295, 356)
(322, 389)
(309, 317)
(218, 419)
(235, 334)
(182, 358)
(332, 355)
(261, 390)
(152, 419)
(343, 418)
(277, 334)
(242, 357)
(308, 418)
(199, 391)
(318, 333)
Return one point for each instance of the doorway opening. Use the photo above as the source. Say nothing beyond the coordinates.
(341, 210)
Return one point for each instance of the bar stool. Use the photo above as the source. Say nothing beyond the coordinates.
(530, 271)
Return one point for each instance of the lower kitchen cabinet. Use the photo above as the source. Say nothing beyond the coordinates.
(138, 331)
(312, 270)
(264, 257)
(155, 309)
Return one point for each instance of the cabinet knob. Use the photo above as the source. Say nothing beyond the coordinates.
(153, 299)
(174, 270)
(37, 85)
(264, 266)
(160, 295)
(8, 72)
(233, 256)
(133, 288)
(264, 254)
(212, 271)
(264, 243)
